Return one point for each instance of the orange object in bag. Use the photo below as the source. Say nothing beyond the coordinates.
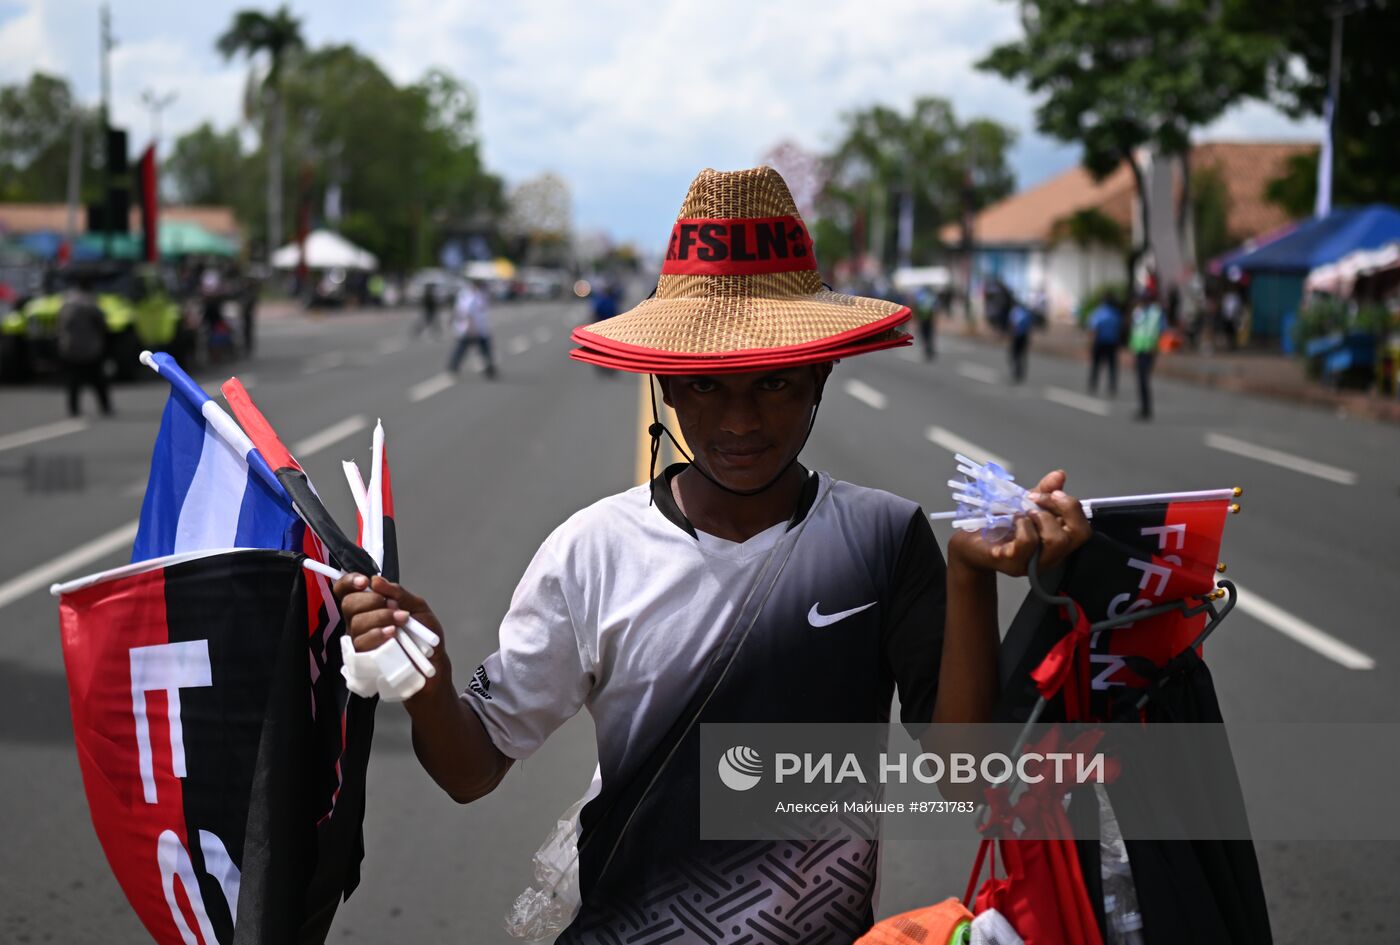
(947, 923)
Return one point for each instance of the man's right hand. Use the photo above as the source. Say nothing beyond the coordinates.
(375, 610)
(449, 739)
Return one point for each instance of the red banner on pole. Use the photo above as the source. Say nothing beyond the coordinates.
(150, 206)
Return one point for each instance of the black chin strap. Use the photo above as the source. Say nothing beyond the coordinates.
(657, 428)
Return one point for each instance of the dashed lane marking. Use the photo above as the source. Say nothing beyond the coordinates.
(1264, 454)
(865, 394)
(953, 443)
(1069, 398)
(39, 434)
(1300, 631)
(433, 385)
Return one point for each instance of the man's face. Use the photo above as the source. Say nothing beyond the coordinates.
(743, 429)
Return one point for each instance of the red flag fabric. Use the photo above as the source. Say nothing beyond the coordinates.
(150, 205)
(188, 691)
(1042, 893)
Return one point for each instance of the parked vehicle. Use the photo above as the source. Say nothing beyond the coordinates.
(139, 310)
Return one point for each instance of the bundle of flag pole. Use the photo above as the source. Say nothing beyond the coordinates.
(222, 752)
(1115, 633)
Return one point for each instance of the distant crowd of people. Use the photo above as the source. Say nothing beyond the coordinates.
(1111, 323)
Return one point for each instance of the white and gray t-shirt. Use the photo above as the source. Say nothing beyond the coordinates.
(622, 611)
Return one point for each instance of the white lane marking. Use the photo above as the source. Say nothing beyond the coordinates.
(49, 572)
(518, 345)
(391, 345)
(323, 362)
(1078, 401)
(865, 394)
(39, 434)
(979, 372)
(433, 385)
(542, 334)
(330, 436)
(1300, 631)
(1308, 467)
(955, 444)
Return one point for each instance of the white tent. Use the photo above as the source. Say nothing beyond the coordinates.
(325, 250)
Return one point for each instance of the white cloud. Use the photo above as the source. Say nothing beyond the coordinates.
(164, 67)
(23, 48)
(626, 99)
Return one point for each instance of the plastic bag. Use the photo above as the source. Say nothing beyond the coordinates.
(545, 909)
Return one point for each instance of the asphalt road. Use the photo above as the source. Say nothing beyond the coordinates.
(484, 470)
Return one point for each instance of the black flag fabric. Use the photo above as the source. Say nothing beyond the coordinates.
(201, 754)
(1201, 891)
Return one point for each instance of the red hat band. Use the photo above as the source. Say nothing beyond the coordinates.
(744, 246)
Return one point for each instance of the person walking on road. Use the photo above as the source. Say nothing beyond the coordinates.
(1019, 325)
(429, 321)
(740, 586)
(471, 323)
(82, 347)
(248, 310)
(1142, 341)
(926, 313)
(1106, 329)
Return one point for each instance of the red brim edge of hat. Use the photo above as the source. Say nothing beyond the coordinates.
(732, 364)
(583, 335)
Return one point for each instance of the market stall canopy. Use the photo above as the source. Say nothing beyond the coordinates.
(916, 277)
(325, 250)
(177, 238)
(1321, 241)
(1340, 277)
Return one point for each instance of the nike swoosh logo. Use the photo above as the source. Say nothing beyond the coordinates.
(818, 619)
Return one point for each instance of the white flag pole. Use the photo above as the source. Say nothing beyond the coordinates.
(374, 524)
(1203, 495)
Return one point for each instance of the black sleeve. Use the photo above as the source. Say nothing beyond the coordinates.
(913, 631)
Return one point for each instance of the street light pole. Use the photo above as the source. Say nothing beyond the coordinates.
(157, 104)
(1327, 160)
(105, 44)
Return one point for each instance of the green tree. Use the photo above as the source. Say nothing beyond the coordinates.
(275, 37)
(1210, 214)
(37, 121)
(406, 160)
(1118, 75)
(926, 158)
(1368, 119)
(207, 166)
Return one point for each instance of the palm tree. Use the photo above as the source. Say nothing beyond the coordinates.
(278, 36)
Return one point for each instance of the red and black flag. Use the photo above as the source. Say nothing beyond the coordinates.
(1139, 556)
(200, 756)
(345, 722)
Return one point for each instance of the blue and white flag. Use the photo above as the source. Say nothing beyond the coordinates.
(208, 487)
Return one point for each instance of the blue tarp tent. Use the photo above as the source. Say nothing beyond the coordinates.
(1278, 268)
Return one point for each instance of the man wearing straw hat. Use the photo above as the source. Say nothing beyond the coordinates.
(738, 587)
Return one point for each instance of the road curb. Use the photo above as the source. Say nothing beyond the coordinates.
(1365, 406)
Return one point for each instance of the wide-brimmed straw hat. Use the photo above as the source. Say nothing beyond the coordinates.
(739, 291)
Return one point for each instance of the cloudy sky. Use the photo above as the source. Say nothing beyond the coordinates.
(626, 99)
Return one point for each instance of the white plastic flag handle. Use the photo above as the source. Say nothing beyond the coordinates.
(374, 524)
(427, 638)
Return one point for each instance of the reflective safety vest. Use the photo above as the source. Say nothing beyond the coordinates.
(1147, 328)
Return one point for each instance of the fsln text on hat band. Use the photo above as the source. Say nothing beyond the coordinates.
(743, 246)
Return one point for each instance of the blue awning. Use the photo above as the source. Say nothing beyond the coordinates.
(1317, 242)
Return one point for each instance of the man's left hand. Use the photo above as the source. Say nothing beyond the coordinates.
(1058, 528)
